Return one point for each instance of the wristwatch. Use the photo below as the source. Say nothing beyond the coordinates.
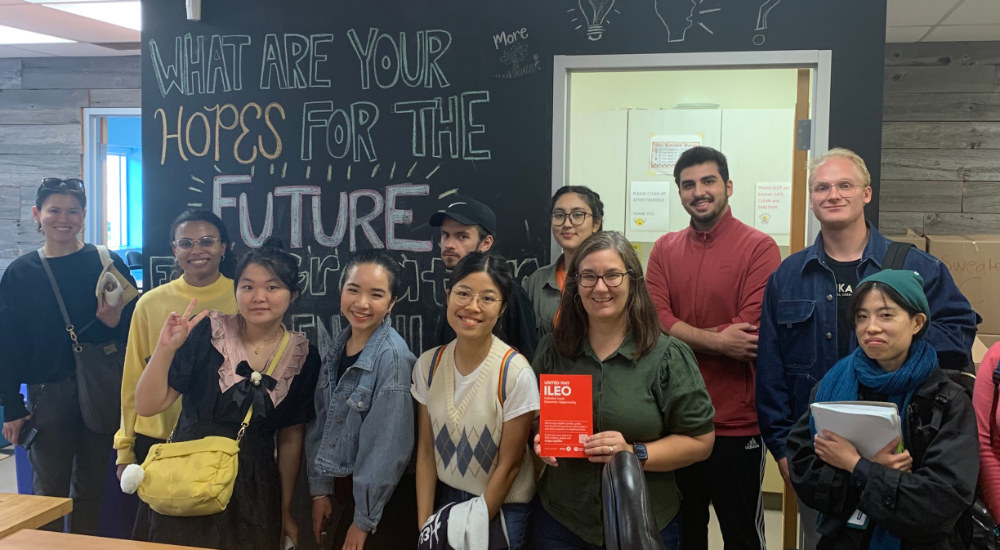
(640, 451)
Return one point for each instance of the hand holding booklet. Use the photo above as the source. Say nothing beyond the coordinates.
(868, 425)
(567, 415)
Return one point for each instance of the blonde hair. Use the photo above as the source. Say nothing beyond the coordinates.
(841, 153)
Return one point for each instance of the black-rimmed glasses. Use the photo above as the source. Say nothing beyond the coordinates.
(611, 279)
(575, 218)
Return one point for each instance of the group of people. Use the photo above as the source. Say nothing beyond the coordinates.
(699, 364)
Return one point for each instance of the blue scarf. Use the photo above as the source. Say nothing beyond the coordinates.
(841, 384)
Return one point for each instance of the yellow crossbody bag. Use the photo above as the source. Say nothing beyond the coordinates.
(195, 478)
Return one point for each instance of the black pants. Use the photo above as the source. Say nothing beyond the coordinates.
(397, 530)
(730, 481)
(67, 459)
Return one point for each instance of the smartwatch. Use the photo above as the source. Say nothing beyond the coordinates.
(640, 451)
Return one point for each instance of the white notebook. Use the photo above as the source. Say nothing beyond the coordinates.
(868, 425)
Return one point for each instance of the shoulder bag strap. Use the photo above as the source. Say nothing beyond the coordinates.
(504, 368)
(435, 361)
(62, 306)
(993, 409)
(895, 256)
(268, 371)
(105, 255)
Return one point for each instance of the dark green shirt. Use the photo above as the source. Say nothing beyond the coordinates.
(660, 394)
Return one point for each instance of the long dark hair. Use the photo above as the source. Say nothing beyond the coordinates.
(271, 256)
(499, 272)
(572, 329)
(227, 265)
(383, 259)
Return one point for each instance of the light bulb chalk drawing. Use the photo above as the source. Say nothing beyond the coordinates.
(595, 12)
(765, 9)
(677, 16)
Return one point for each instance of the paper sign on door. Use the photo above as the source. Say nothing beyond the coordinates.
(567, 415)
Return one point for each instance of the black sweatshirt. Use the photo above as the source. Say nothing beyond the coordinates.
(34, 344)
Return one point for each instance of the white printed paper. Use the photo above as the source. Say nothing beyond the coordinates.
(664, 151)
(650, 206)
(773, 208)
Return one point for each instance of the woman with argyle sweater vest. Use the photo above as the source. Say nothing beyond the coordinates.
(477, 398)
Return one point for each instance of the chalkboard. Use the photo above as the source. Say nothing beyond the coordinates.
(343, 125)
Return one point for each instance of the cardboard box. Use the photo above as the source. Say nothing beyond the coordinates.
(916, 240)
(974, 263)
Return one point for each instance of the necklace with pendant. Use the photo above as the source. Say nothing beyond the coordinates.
(257, 349)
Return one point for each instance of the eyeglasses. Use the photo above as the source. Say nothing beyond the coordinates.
(847, 189)
(611, 279)
(73, 184)
(464, 297)
(576, 218)
(204, 242)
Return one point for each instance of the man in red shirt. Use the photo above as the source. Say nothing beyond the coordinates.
(708, 285)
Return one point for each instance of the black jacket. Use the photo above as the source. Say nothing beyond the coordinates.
(516, 328)
(926, 508)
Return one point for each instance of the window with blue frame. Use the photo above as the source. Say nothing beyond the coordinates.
(123, 192)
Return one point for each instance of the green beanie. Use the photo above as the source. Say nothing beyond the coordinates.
(909, 285)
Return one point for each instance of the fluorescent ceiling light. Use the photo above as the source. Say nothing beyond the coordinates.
(10, 36)
(123, 14)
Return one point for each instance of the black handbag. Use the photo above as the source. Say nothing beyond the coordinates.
(99, 369)
(628, 511)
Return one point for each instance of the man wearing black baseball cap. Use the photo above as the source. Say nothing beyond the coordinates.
(470, 226)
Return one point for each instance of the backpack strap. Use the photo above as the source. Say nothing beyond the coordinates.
(895, 256)
(504, 368)
(435, 361)
(993, 409)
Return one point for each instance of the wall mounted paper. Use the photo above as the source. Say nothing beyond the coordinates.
(664, 150)
(650, 206)
(773, 208)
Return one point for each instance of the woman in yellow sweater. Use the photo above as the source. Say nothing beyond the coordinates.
(200, 245)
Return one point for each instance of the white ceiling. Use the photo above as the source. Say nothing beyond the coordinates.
(907, 21)
(93, 38)
(942, 20)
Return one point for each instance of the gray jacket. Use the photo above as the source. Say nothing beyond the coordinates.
(544, 293)
(364, 423)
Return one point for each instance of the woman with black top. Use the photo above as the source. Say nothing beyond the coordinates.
(210, 361)
(37, 350)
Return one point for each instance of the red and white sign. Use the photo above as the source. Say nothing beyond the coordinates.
(567, 415)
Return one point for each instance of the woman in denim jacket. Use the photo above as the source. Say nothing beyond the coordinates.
(362, 439)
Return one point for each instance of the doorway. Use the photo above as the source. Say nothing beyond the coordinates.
(112, 167)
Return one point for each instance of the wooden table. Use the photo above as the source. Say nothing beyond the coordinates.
(19, 512)
(47, 540)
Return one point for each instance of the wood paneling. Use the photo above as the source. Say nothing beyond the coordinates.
(41, 139)
(62, 73)
(941, 107)
(31, 100)
(915, 80)
(10, 74)
(981, 197)
(116, 98)
(941, 135)
(896, 223)
(28, 170)
(920, 196)
(941, 165)
(928, 54)
(960, 224)
(10, 203)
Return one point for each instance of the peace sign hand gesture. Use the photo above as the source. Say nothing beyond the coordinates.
(175, 331)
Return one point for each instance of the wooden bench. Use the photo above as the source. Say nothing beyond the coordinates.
(19, 512)
(47, 540)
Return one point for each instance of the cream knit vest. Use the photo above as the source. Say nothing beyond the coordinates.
(467, 435)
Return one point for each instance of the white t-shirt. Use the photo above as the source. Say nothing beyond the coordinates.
(522, 399)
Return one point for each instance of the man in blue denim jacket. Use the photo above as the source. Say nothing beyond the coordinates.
(805, 326)
(364, 424)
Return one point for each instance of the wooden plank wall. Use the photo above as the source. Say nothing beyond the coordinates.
(941, 138)
(41, 132)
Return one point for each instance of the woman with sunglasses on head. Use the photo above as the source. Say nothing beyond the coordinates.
(577, 213)
(38, 350)
(477, 398)
(649, 397)
(202, 267)
(361, 441)
(244, 377)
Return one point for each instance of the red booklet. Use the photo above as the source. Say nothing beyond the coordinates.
(567, 415)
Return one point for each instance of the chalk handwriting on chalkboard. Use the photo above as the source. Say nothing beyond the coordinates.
(197, 135)
(507, 38)
(762, 14)
(595, 15)
(389, 62)
(677, 16)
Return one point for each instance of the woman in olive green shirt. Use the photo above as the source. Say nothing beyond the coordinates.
(649, 397)
(577, 213)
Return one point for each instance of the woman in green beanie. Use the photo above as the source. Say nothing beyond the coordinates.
(914, 493)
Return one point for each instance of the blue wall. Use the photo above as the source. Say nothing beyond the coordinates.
(125, 138)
